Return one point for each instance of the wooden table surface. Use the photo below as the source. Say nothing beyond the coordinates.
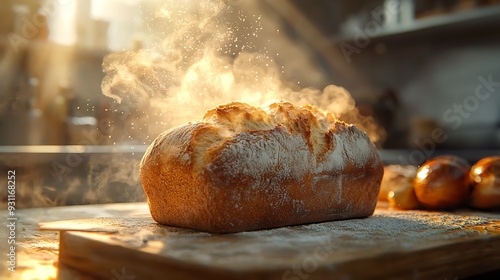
(38, 251)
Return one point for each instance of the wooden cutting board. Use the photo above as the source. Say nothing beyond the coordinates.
(390, 244)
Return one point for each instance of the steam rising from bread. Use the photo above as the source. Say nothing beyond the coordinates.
(203, 54)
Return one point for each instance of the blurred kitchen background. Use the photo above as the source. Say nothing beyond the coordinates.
(421, 69)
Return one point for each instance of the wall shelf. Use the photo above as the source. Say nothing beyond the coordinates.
(479, 20)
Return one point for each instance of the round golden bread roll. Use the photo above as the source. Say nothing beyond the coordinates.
(403, 198)
(247, 168)
(395, 177)
(442, 182)
(485, 177)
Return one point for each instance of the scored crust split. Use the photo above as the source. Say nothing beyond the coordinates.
(246, 168)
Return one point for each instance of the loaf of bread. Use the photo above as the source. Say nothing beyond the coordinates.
(246, 168)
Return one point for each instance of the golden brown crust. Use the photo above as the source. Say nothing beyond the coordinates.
(246, 168)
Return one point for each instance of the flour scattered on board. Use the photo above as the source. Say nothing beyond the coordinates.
(385, 231)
